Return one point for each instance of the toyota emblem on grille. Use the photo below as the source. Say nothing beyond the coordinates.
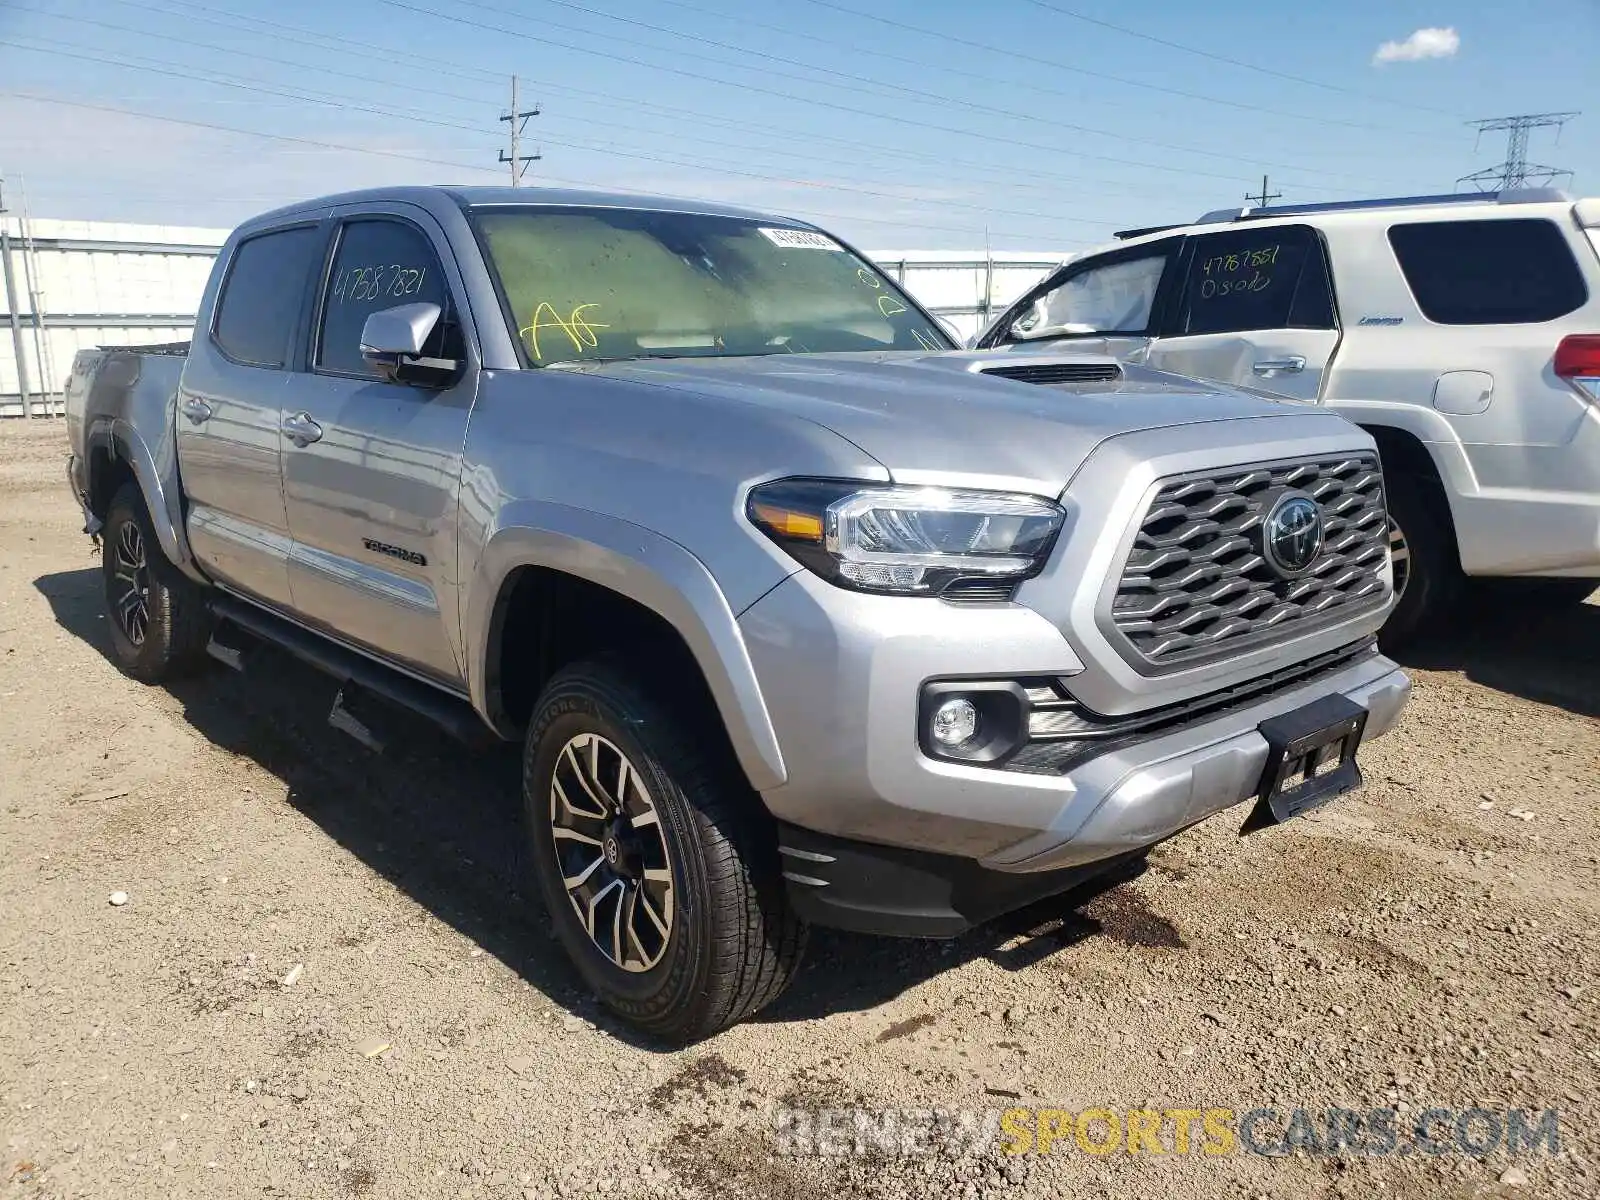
(1291, 536)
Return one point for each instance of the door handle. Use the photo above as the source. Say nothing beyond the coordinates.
(1292, 365)
(302, 430)
(196, 409)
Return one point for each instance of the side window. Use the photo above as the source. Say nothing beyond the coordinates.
(1511, 272)
(262, 294)
(379, 264)
(1114, 296)
(1246, 279)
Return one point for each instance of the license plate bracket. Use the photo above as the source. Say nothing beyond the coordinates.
(1311, 759)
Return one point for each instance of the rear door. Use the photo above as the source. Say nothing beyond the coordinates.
(1254, 306)
(228, 413)
(372, 492)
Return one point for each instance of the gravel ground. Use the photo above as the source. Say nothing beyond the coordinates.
(326, 981)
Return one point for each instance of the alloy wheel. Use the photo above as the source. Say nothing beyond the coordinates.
(130, 601)
(611, 852)
(1399, 558)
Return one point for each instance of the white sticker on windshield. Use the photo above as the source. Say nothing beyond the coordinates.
(801, 239)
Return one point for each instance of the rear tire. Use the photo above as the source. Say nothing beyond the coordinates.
(160, 618)
(676, 859)
(1427, 570)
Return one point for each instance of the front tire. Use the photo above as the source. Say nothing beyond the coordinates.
(160, 620)
(655, 859)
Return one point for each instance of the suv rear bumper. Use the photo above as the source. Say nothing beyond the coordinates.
(843, 696)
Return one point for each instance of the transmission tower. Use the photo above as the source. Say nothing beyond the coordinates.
(1517, 171)
(517, 118)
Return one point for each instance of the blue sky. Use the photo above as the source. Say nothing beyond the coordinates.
(899, 123)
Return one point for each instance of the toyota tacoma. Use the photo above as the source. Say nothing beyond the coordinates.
(802, 614)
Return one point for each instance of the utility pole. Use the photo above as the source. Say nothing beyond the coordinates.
(517, 118)
(1516, 171)
(1261, 200)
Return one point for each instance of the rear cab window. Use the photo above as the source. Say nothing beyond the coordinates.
(1514, 271)
(1254, 279)
(262, 295)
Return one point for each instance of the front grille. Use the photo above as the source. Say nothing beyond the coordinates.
(1067, 372)
(1196, 584)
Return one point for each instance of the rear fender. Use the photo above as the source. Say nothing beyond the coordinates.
(129, 417)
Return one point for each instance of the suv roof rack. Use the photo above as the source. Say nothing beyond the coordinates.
(1123, 235)
(1511, 196)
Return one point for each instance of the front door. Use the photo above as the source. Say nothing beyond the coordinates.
(1254, 306)
(372, 468)
(1108, 304)
(229, 413)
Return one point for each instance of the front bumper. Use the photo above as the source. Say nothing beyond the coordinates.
(842, 672)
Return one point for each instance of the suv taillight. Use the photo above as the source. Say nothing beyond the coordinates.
(1578, 362)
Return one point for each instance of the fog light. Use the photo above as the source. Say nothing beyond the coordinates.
(954, 722)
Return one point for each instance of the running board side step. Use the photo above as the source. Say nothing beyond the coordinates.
(357, 675)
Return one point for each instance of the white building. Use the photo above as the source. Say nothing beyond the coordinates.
(69, 285)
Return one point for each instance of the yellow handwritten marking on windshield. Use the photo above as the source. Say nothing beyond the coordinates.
(889, 306)
(868, 278)
(577, 327)
(923, 340)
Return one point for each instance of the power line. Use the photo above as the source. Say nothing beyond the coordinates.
(1214, 57)
(674, 112)
(1516, 171)
(945, 129)
(517, 119)
(257, 86)
(943, 69)
(1055, 64)
(917, 94)
(622, 152)
(432, 161)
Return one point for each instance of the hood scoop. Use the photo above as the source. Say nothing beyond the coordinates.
(1078, 371)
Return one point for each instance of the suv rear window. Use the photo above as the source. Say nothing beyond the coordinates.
(262, 294)
(1512, 272)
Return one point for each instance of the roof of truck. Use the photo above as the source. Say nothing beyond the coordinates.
(475, 197)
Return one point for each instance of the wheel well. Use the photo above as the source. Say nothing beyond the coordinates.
(107, 474)
(545, 619)
(1402, 454)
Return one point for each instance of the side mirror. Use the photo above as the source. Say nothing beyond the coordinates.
(391, 344)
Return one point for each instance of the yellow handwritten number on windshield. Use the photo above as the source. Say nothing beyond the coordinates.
(578, 328)
(889, 306)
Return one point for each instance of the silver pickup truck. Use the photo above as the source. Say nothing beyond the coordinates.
(802, 614)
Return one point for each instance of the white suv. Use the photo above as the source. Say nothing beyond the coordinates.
(1462, 331)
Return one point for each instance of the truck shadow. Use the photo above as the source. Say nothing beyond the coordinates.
(1549, 655)
(444, 825)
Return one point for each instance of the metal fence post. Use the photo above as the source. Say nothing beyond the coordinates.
(16, 319)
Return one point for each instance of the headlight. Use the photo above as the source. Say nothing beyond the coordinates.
(917, 541)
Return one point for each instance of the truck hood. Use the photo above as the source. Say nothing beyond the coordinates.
(923, 415)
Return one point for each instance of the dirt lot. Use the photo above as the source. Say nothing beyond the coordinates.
(1420, 944)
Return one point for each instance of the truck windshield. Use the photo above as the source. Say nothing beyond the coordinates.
(583, 285)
